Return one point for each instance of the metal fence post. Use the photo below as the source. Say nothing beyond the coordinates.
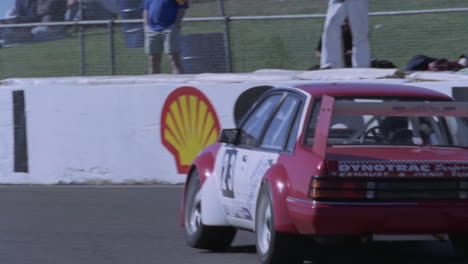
(82, 53)
(111, 47)
(82, 42)
(227, 43)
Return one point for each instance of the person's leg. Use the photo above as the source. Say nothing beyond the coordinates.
(153, 47)
(154, 63)
(332, 43)
(176, 63)
(358, 19)
(172, 48)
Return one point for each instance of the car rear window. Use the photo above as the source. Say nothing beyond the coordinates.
(371, 129)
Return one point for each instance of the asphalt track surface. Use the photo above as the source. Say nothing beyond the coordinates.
(140, 224)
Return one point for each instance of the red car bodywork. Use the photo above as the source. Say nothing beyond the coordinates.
(290, 178)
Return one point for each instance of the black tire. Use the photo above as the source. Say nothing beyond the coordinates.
(460, 245)
(198, 235)
(274, 247)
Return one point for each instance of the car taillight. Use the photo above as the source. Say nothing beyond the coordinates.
(318, 183)
(323, 188)
(378, 189)
(338, 194)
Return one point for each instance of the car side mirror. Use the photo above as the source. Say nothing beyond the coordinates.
(229, 135)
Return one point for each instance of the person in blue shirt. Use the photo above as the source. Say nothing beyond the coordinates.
(162, 22)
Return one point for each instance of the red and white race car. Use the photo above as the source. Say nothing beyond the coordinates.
(323, 161)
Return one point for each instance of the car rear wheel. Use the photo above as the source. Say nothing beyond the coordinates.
(198, 235)
(274, 247)
(460, 244)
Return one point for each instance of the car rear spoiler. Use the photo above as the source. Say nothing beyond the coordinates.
(329, 108)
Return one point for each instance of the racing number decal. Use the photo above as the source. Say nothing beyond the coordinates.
(227, 172)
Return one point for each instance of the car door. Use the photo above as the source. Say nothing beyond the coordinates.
(278, 139)
(263, 135)
(233, 160)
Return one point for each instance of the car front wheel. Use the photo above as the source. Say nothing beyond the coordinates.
(198, 235)
(274, 247)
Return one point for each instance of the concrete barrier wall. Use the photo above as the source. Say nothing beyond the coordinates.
(109, 133)
(122, 129)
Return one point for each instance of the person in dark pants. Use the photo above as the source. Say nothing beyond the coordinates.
(162, 23)
(51, 10)
(26, 11)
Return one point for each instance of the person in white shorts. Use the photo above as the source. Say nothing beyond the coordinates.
(332, 45)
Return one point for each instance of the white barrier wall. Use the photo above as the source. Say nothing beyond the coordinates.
(101, 133)
(120, 129)
(109, 133)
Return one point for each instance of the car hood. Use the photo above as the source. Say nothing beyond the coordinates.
(397, 162)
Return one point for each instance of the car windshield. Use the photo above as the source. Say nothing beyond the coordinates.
(447, 131)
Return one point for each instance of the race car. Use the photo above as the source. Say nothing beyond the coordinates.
(324, 161)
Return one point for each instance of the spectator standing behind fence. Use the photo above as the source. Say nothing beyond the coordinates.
(34, 11)
(347, 44)
(51, 10)
(332, 45)
(73, 12)
(26, 11)
(162, 23)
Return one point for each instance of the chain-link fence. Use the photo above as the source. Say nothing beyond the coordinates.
(105, 37)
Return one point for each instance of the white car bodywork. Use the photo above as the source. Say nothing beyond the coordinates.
(233, 201)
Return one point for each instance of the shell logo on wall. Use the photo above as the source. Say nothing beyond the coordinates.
(189, 123)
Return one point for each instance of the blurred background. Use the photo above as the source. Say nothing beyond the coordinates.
(105, 37)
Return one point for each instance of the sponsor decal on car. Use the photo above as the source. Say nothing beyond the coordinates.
(189, 123)
(227, 173)
(397, 168)
(255, 179)
(243, 213)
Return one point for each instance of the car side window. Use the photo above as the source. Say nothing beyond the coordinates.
(311, 125)
(293, 135)
(252, 129)
(279, 128)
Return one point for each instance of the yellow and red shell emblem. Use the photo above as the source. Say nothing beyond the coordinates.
(189, 123)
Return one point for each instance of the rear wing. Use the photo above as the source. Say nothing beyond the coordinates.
(416, 109)
(459, 109)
